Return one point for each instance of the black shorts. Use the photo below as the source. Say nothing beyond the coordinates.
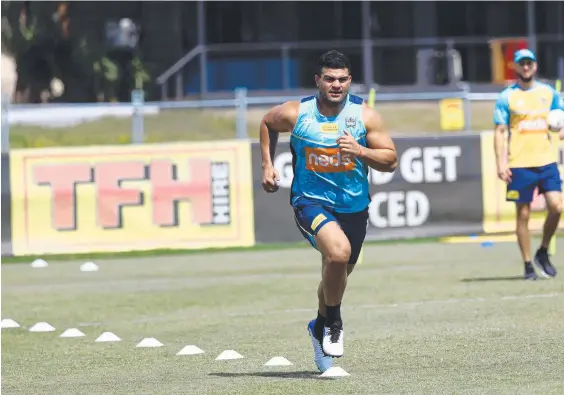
(311, 216)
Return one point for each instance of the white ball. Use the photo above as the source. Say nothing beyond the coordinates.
(57, 87)
(125, 23)
(555, 120)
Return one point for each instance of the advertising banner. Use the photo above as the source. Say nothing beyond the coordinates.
(499, 214)
(120, 198)
(436, 190)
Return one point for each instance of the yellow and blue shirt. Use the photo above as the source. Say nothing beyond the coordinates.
(524, 111)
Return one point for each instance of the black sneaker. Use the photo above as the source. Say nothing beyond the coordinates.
(530, 272)
(543, 262)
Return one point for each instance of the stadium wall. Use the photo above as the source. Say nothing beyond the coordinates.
(206, 195)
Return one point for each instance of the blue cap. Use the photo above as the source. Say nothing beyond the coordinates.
(524, 54)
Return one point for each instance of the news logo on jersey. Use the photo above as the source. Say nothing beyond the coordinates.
(328, 160)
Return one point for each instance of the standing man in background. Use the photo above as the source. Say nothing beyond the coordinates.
(530, 161)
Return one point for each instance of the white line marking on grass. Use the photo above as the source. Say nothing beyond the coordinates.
(409, 304)
(417, 303)
(178, 314)
(187, 282)
(534, 296)
(87, 324)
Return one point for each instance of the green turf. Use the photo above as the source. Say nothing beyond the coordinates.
(429, 318)
(166, 252)
(198, 125)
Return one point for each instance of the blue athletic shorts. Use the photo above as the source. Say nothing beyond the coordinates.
(310, 217)
(524, 181)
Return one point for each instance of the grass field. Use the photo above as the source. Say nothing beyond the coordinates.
(197, 125)
(427, 318)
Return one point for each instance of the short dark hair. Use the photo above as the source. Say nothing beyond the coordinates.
(333, 60)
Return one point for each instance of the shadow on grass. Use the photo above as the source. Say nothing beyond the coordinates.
(280, 375)
(478, 279)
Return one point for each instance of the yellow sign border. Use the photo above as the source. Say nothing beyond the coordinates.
(43, 241)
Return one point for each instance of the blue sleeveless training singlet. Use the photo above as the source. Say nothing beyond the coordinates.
(321, 172)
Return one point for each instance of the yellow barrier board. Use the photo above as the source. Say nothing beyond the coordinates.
(123, 198)
(479, 239)
(452, 114)
(499, 214)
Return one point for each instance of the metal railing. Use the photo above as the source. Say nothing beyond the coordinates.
(284, 50)
(137, 109)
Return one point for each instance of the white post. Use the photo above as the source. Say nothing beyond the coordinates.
(5, 124)
(241, 125)
(137, 121)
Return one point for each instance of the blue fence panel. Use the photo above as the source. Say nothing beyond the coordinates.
(253, 74)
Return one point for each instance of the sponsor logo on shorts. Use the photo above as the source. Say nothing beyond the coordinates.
(513, 195)
(328, 160)
(317, 220)
(329, 127)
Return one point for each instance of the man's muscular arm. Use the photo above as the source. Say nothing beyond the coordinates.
(381, 153)
(501, 130)
(280, 119)
(500, 138)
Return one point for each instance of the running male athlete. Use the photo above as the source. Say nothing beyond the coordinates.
(335, 138)
(520, 116)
